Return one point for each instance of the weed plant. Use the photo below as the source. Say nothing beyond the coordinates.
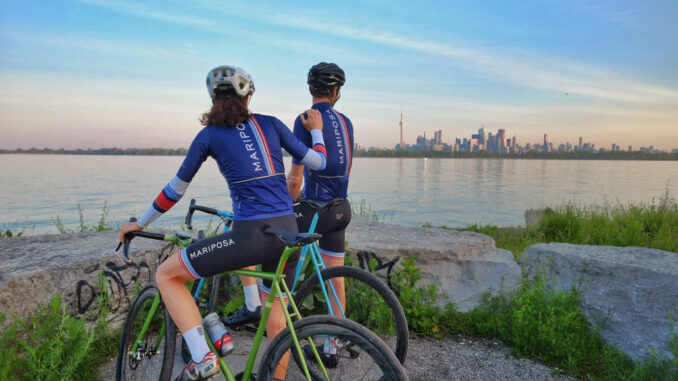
(8, 233)
(14, 230)
(365, 209)
(56, 346)
(102, 224)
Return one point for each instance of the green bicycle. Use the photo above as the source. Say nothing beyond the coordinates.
(148, 342)
(369, 300)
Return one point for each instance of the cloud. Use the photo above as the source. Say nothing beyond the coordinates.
(522, 68)
(531, 70)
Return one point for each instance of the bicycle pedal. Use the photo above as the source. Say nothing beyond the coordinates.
(251, 328)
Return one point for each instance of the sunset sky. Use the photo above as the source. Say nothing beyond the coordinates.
(79, 74)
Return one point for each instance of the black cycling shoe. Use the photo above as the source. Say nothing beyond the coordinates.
(242, 316)
(329, 361)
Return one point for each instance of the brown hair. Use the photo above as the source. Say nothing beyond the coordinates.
(320, 91)
(226, 111)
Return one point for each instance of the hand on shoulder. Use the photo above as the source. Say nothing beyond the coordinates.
(312, 120)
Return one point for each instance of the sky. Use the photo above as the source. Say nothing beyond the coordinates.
(95, 73)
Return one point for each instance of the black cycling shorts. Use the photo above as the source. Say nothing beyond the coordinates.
(331, 224)
(246, 244)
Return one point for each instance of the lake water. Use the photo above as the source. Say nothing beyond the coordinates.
(35, 189)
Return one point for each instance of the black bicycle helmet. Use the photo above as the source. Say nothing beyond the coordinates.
(325, 75)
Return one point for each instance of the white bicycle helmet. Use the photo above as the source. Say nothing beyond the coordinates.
(227, 79)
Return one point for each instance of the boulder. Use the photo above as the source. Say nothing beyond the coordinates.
(34, 268)
(462, 265)
(631, 293)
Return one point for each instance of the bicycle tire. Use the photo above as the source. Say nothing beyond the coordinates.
(372, 314)
(155, 362)
(361, 354)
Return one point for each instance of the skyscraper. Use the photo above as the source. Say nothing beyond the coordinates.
(502, 139)
(580, 143)
(546, 143)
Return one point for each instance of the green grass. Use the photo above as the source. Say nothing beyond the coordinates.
(653, 225)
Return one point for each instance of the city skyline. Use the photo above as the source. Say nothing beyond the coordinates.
(117, 73)
(500, 143)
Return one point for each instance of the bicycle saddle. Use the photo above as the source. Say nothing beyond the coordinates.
(320, 206)
(293, 239)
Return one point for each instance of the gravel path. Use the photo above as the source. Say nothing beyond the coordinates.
(461, 357)
(456, 357)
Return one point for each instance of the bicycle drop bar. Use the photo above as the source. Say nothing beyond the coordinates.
(139, 233)
(193, 207)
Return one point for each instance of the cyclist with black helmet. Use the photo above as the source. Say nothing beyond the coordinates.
(320, 185)
(247, 149)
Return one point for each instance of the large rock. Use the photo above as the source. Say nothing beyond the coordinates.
(462, 265)
(630, 292)
(34, 268)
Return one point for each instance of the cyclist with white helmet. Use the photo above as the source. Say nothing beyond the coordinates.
(247, 149)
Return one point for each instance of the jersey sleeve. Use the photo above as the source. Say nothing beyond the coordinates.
(301, 133)
(349, 126)
(175, 189)
(315, 158)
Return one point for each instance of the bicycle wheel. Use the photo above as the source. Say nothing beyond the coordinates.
(359, 353)
(369, 301)
(207, 303)
(155, 353)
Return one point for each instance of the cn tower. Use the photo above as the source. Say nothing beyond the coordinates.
(402, 144)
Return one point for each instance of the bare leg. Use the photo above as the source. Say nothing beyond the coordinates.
(170, 278)
(337, 283)
(276, 323)
(248, 280)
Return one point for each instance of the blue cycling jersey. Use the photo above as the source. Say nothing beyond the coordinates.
(249, 157)
(331, 182)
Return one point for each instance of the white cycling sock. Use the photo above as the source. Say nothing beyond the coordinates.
(252, 299)
(195, 339)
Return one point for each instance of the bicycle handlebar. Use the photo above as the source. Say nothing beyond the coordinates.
(140, 233)
(193, 207)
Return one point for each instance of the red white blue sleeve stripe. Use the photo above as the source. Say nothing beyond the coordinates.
(170, 195)
(316, 158)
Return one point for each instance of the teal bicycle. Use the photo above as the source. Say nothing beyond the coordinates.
(148, 342)
(368, 299)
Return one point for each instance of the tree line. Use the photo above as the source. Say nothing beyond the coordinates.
(621, 155)
(101, 151)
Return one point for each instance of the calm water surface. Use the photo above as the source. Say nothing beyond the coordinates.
(35, 189)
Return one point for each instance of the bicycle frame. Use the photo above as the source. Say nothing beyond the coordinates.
(278, 289)
(317, 260)
(319, 265)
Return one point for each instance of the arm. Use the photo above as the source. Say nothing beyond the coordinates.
(175, 189)
(294, 180)
(315, 158)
